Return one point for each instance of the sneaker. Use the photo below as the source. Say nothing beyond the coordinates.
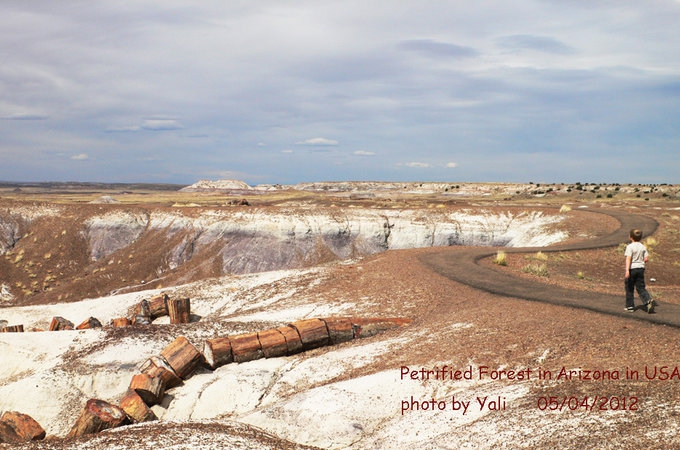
(650, 306)
(630, 309)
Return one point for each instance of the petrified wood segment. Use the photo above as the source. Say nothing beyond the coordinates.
(59, 323)
(313, 333)
(8, 435)
(89, 323)
(121, 322)
(159, 367)
(217, 352)
(13, 329)
(246, 347)
(179, 310)
(340, 329)
(293, 341)
(97, 416)
(182, 356)
(155, 307)
(135, 407)
(273, 343)
(25, 427)
(151, 389)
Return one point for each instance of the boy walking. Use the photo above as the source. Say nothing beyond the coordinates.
(636, 257)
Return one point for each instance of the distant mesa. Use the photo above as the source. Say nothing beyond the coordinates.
(217, 186)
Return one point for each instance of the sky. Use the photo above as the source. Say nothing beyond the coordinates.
(278, 91)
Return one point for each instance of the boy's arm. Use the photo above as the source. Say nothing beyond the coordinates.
(628, 261)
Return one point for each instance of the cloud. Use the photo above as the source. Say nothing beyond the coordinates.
(416, 165)
(430, 47)
(80, 157)
(363, 153)
(25, 116)
(530, 42)
(287, 151)
(318, 141)
(451, 165)
(161, 125)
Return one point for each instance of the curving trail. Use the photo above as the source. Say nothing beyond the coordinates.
(461, 264)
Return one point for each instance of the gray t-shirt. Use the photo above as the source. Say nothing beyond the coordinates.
(638, 252)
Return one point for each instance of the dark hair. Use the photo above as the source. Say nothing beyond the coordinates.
(636, 234)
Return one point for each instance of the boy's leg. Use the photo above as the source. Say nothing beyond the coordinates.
(630, 286)
(642, 290)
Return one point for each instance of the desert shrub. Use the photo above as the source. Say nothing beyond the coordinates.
(540, 270)
(565, 209)
(501, 258)
(580, 275)
(541, 256)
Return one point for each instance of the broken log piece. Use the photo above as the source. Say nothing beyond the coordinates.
(13, 329)
(3, 324)
(340, 329)
(8, 435)
(140, 319)
(366, 327)
(96, 416)
(121, 322)
(151, 389)
(59, 323)
(159, 367)
(179, 310)
(182, 356)
(136, 408)
(217, 352)
(89, 324)
(292, 337)
(26, 428)
(155, 307)
(273, 343)
(246, 347)
(313, 333)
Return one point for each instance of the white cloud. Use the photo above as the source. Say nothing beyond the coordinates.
(318, 141)
(451, 165)
(80, 157)
(287, 151)
(417, 165)
(364, 153)
(25, 116)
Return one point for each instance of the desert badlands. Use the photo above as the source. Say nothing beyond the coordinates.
(449, 345)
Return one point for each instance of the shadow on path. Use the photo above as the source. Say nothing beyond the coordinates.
(461, 264)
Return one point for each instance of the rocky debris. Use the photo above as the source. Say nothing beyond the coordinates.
(238, 202)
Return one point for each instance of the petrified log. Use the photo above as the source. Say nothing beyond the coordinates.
(155, 307)
(217, 352)
(292, 337)
(273, 343)
(13, 329)
(151, 389)
(59, 323)
(141, 319)
(3, 324)
(246, 347)
(89, 323)
(121, 322)
(340, 329)
(365, 327)
(159, 367)
(313, 333)
(182, 356)
(25, 427)
(179, 310)
(8, 435)
(135, 407)
(97, 416)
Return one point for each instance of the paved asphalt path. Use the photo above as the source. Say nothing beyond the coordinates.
(461, 264)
